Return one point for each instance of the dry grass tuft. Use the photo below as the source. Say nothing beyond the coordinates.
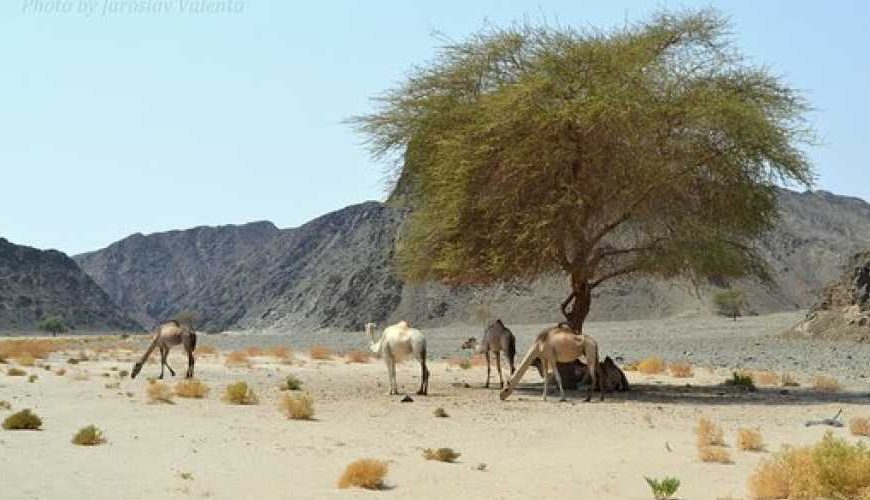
(253, 351)
(832, 468)
(652, 365)
(81, 375)
(25, 359)
(708, 433)
(158, 392)
(16, 372)
(364, 473)
(24, 420)
(630, 367)
(825, 383)
(41, 349)
(440, 412)
(60, 372)
(206, 350)
(33, 378)
(358, 357)
(787, 380)
(319, 352)
(714, 454)
(191, 388)
(281, 353)
(298, 406)
(441, 454)
(749, 439)
(89, 436)
(240, 394)
(681, 369)
(5, 405)
(238, 359)
(461, 362)
(763, 377)
(860, 426)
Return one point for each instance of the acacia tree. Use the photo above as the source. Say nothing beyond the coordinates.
(53, 325)
(654, 149)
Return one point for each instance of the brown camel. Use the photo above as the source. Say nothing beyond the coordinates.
(497, 338)
(166, 336)
(558, 345)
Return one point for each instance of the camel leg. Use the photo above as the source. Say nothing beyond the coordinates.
(530, 356)
(165, 356)
(424, 378)
(487, 369)
(544, 364)
(498, 367)
(558, 381)
(190, 363)
(391, 374)
(162, 358)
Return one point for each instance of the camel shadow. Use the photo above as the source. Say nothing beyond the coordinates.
(715, 395)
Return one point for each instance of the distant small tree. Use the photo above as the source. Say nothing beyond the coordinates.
(186, 317)
(53, 325)
(730, 303)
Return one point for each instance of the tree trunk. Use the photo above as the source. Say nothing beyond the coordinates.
(579, 302)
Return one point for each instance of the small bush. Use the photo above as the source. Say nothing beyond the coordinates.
(742, 381)
(41, 349)
(113, 385)
(291, 383)
(652, 365)
(832, 468)
(364, 473)
(298, 406)
(23, 420)
(206, 350)
(81, 376)
(749, 439)
(33, 378)
(826, 384)
(441, 454)
(681, 370)
(5, 405)
(357, 357)
(60, 372)
(664, 488)
(158, 392)
(72, 361)
(860, 426)
(319, 352)
(240, 394)
(191, 388)
(16, 372)
(714, 454)
(89, 436)
(441, 413)
(708, 433)
(461, 362)
(630, 367)
(237, 359)
(123, 374)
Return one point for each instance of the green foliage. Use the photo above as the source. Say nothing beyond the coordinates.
(652, 149)
(16, 372)
(23, 420)
(240, 394)
(741, 380)
(53, 325)
(664, 488)
(33, 378)
(730, 303)
(291, 383)
(89, 436)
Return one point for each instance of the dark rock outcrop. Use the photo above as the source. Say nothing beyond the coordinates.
(36, 283)
(843, 312)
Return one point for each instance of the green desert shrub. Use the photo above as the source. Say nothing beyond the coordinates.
(32, 378)
(291, 383)
(440, 412)
(23, 420)
(441, 454)
(16, 372)
(89, 436)
(240, 394)
(664, 488)
(741, 380)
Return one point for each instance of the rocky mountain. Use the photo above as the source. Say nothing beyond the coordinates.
(844, 308)
(36, 283)
(336, 272)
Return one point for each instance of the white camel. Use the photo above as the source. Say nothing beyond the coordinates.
(398, 343)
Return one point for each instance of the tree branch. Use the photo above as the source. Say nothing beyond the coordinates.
(614, 274)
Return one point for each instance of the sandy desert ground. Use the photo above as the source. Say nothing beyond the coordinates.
(520, 448)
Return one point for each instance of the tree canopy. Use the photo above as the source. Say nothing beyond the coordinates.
(53, 325)
(653, 149)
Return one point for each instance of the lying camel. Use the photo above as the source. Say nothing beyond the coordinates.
(166, 336)
(558, 345)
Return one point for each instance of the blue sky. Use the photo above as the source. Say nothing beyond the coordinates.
(112, 124)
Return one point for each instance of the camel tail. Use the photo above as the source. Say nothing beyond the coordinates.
(512, 348)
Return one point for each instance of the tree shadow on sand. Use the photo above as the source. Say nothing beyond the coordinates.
(689, 394)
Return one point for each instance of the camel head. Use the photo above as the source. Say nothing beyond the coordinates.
(508, 389)
(137, 367)
(471, 343)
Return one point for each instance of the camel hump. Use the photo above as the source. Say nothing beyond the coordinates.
(403, 324)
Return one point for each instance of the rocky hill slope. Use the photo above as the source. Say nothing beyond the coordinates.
(39, 283)
(336, 272)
